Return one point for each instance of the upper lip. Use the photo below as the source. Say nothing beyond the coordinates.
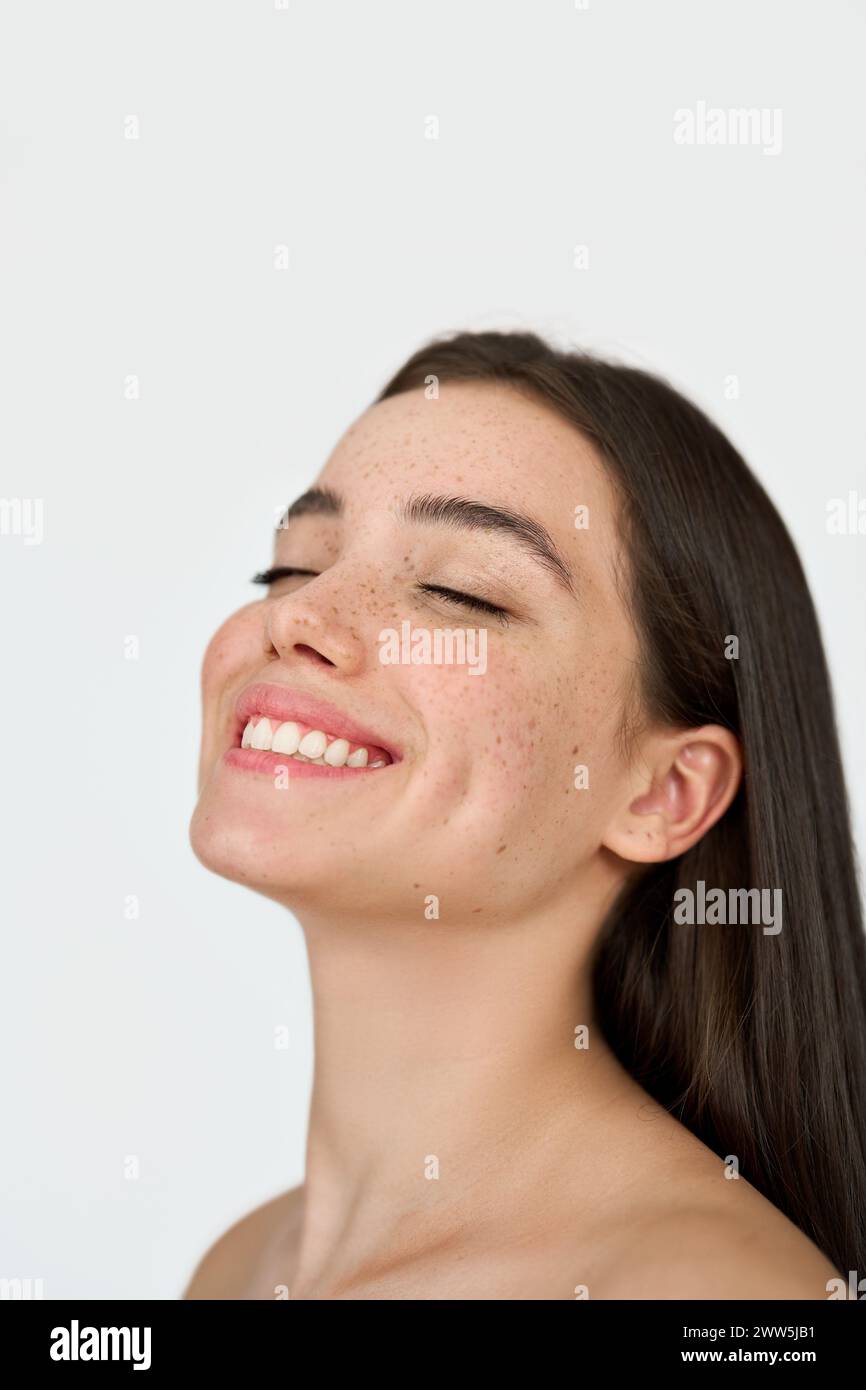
(283, 703)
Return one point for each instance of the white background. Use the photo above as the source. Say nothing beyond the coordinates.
(154, 257)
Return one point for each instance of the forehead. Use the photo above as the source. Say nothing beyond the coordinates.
(487, 442)
(479, 439)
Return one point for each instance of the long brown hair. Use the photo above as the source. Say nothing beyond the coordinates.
(755, 1041)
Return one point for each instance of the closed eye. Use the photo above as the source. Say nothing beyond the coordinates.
(482, 605)
(455, 596)
(280, 572)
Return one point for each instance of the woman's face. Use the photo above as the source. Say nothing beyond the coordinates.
(479, 805)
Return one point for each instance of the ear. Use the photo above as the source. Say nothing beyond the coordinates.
(687, 782)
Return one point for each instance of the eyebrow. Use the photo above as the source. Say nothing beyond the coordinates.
(321, 501)
(459, 513)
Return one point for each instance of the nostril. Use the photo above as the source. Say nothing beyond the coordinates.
(303, 650)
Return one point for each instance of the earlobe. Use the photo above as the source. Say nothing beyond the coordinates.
(693, 778)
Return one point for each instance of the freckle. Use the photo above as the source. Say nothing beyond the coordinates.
(416, 885)
(574, 750)
(477, 909)
(501, 848)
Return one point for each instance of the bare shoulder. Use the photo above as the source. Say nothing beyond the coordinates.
(227, 1266)
(739, 1248)
(676, 1223)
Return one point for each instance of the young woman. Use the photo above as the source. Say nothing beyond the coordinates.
(582, 921)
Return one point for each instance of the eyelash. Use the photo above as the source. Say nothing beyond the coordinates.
(281, 572)
(481, 605)
(467, 601)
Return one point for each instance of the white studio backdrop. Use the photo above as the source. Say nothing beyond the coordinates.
(224, 225)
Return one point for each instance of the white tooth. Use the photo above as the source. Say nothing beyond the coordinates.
(261, 735)
(337, 752)
(286, 738)
(313, 744)
(247, 739)
(318, 762)
(358, 758)
(380, 762)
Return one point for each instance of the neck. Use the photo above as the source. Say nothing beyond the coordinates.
(446, 1075)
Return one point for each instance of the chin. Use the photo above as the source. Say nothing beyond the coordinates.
(236, 852)
(228, 846)
(237, 835)
(288, 859)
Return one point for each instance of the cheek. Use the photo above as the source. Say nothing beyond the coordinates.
(233, 655)
(231, 649)
(522, 733)
(487, 733)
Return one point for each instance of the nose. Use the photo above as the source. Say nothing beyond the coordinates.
(311, 625)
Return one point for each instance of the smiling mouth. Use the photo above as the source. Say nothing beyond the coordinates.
(276, 726)
(303, 743)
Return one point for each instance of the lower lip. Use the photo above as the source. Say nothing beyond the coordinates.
(262, 761)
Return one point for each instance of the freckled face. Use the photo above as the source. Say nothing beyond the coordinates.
(481, 809)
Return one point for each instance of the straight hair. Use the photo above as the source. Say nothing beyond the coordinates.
(756, 1042)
